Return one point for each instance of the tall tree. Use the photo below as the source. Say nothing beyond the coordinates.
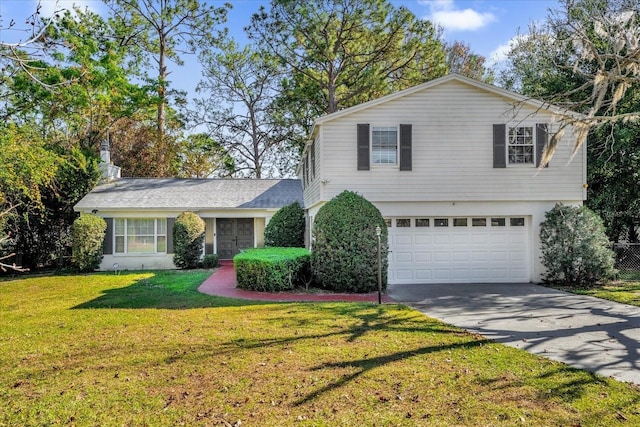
(586, 58)
(241, 85)
(591, 52)
(159, 31)
(25, 53)
(203, 157)
(340, 53)
(462, 60)
(67, 101)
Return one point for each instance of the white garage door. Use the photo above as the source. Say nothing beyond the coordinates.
(458, 250)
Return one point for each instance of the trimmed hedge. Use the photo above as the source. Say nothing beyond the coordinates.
(188, 237)
(286, 228)
(87, 237)
(272, 269)
(344, 256)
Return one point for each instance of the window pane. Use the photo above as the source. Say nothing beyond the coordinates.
(162, 244)
(497, 222)
(460, 222)
(516, 222)
(119, 226)
(162, 226)
(521, 145)
(120, 244)
(403, 222)
(140, 227)
(140, 244)
(441, 222)
(479, 222)
(384, 147)
(422, 222)
(388, 222)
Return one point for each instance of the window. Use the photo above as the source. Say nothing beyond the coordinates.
(516, 222)
(422, 222)
(403, 222)
(460, 222)
(479, 222)
(441, 222)
(140, 235)
(384, 145)
(497, 222)
(313, 161)
(388, 222)
(520, 145)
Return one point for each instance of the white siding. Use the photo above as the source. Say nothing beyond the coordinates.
(452, 152)
(312, 191)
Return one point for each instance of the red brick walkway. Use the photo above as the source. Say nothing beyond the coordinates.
(222, 283)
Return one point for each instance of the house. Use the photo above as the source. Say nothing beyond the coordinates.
(140, 213)
(452, 165)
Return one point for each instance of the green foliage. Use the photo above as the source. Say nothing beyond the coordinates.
(272, 269)
(188, 236)
(342, 53)
(575, 248)
(286, 227)
(87, 235)
(210, 261)
(246, 77)
(344, 256)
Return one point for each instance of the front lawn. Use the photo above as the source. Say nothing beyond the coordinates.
(624, 292)
(148, 349)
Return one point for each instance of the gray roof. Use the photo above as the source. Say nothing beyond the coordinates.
(192, 194)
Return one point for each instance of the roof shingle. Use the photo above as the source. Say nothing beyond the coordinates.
(192, 194)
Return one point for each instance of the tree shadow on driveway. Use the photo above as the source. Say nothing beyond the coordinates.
(585, 332)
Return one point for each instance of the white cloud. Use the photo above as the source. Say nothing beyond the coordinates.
(49, 7)
(499, 54)
(445, 14)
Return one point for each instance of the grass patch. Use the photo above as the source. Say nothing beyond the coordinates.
(623, 292)
(148, 349)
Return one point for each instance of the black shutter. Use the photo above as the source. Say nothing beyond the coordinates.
(363, 147)
(499, 146)
(107, 246)
(542, 139)
(170, 222)
(405, 147)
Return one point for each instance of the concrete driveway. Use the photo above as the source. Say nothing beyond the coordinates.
(584, 332)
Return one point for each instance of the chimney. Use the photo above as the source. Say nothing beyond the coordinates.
(109, 171)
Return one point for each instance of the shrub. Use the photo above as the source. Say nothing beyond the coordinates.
(87, 236)
(210, 261)
(344, 255)
(272, 269)
(188, 236)
(286, 228)
(575, 248)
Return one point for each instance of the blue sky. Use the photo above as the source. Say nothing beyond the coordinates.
(486, 25)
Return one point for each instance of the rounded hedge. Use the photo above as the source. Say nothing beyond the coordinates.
(188, 236)
(286, 228)
(575, 247)
(345, 246)
(87, 238)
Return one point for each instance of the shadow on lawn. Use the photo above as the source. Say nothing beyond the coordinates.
(161, 291)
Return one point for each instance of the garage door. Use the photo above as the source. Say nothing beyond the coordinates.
(458, 250)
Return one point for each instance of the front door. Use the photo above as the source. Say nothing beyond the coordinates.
(233, 235)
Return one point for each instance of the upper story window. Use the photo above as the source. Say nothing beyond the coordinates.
(140, 235)
(384, 145)
(520, 145)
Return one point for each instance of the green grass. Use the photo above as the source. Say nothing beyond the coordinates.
(624, 292)
(148, 349)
